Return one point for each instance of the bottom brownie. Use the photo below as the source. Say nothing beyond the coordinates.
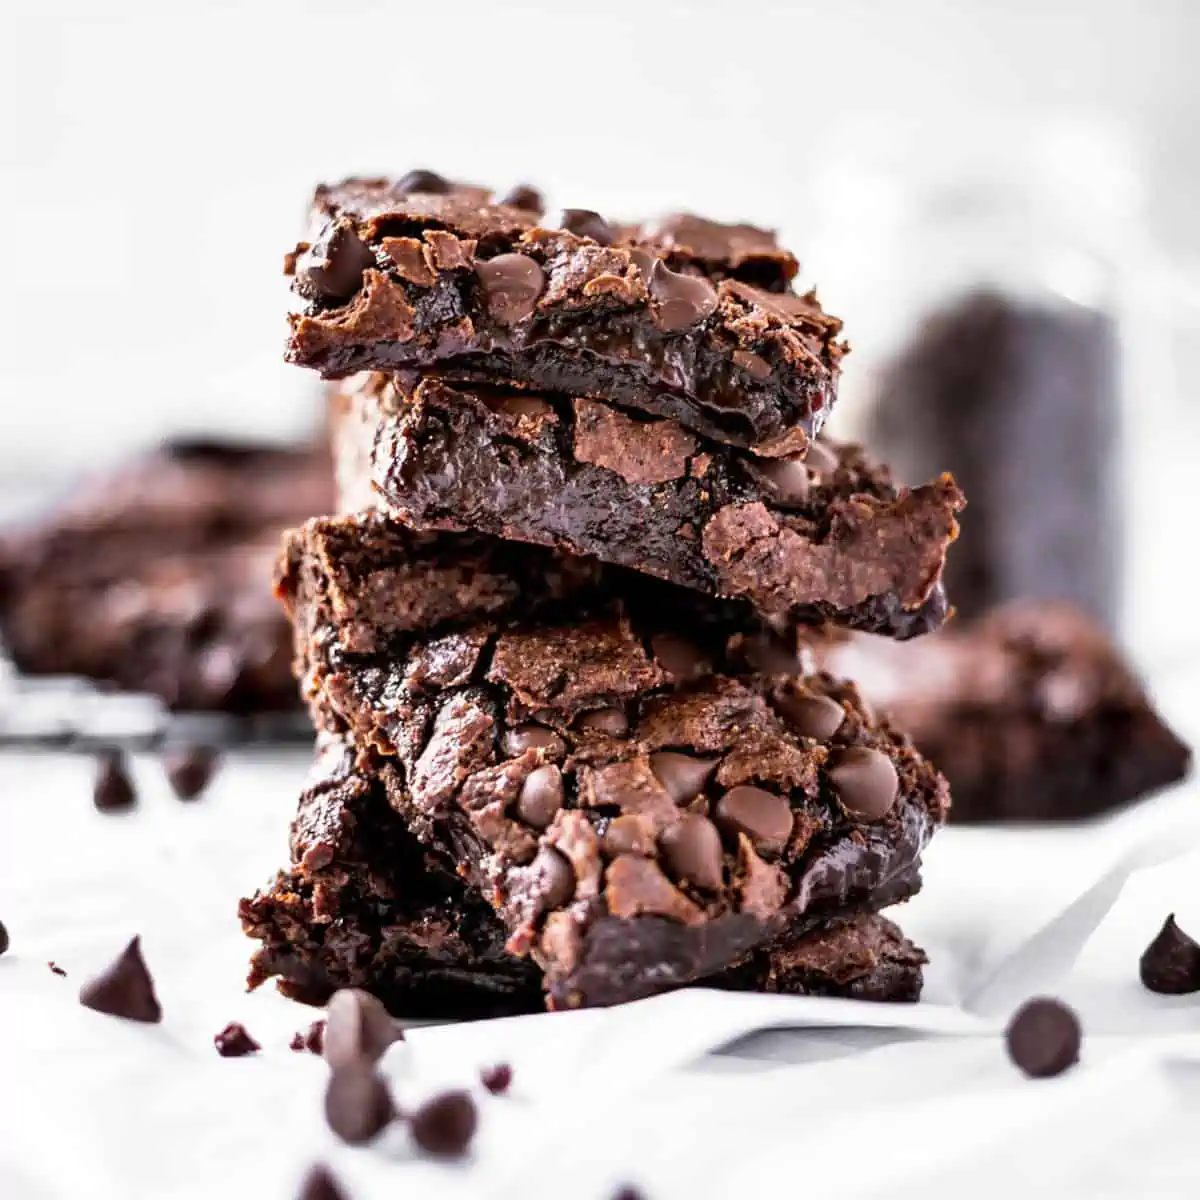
(1030, 712)
(364, 904)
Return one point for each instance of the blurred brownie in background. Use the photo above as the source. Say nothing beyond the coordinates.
(1031, 712)
(157, 577)
(1019, 400)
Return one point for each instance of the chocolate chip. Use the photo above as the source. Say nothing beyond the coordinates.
(811, 716)
(768, 654)
(427, 183)
(124, 988)
(765, 818)
(113, 790)
(497, 1079)
(629, 1193)
(682, 299)
(611, 721)
(333, 268)
(541, 796)
(1171, 963)
(234, 1041)
(312, 1039)
(821, 459)
(682, 775)
(678, 656)
(865, 781)
(526, 197)
(1043, 1038)
(3, 938)
(55, 969)
(358, 1029)
(358, 1105)
(534, 737)
(554, 878)
(692, 851)
(512, 284)
(582, 222)
(787, 479)
(319, 1184)
(189, 769)
(753, 364)
(445, 1125)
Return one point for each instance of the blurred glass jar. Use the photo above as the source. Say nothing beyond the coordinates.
(1006, 316)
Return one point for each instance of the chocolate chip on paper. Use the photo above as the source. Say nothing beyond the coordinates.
(445, 1125)
(497, 1079)
(234, 1041)
(358, 1104)
(124, 988)
(358, 1029)
(1170, 965)
(1043, 1037)
(113, 789)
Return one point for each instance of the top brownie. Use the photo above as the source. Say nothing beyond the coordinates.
(685, 318)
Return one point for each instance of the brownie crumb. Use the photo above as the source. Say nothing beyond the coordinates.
(1044, 1037)
(1171, 963)
(311, 1039)
(189, 769)
(3, 938)
(358, 1029)
(358, 1105)
(234, 1041)
(497, 1079)
(113, 790)
(55, 969)
(124, 989)
(445, 1125)
(319, 1184)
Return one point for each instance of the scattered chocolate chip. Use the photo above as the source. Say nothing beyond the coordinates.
(554, 878)
(1170, 965)
(629, 1193)
(821, 460)
(333, 268)
(497, 1079)
(582, 222)
(692, 851)
(428, 183)
(865, 781)
(124, 988)
(682, 775)
(765, 818)
(683, 300)
(541, 796)
(113, 790)
(234, 1041)
(611, 721)
(786, 478)
(3, 938)
(189, 769)
(311, 1039)
(754, 365)
(1043, 1038)
(358, 1029)
(445, 1125)
(319, 1184)
(811, 716)
(358, 1105)
(534, 737)
(55, 969)
(525, 197)
(678, 656)
(512, 284)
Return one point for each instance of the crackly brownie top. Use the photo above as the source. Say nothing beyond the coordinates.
(425, 272)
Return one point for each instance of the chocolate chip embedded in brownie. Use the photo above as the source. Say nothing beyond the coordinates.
(638, 819)
(365, 905)
(157, 577)
(1031, 712)
(826, 537)
(447, 279)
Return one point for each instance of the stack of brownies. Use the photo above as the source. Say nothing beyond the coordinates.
(573, 749)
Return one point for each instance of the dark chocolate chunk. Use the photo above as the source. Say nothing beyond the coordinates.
(1170, 965)
(113, 790)
(764, 817)
(683, 300)
(524, 196)
(692, 851)
(3, 938)
(358, 1104)
(554, 878)
(811, 716)
(234, 1041)
(512, 283)
(583, 222)
(358, 1029)
(1043, 1038)
(612, 721)
(311, 1039)
(189, 769)
(497, 1079)
(419, 180)
(679, 656)
(334, 267)
(683, 775)
(319, 1184)
(445, 1125)
(865, 781)
(541, 796)
(534, 737)
(124, 989)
